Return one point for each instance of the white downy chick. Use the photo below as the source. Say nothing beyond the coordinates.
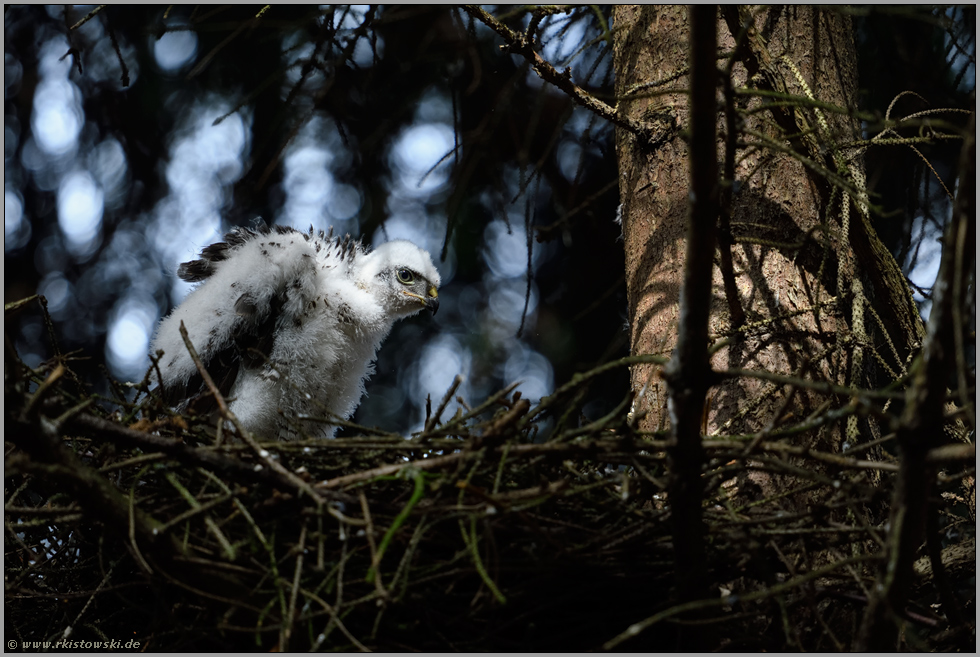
(288, 324)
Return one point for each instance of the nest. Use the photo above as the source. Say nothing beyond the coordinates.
(508, 527)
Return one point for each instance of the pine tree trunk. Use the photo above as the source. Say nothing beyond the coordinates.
(797, 295)
(799, 280)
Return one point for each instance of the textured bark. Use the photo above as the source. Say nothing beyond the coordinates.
(784, 269)
(801, 286)
(783, 262)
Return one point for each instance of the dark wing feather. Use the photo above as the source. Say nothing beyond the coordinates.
(249, 348)
(198, 270)
(251, 340)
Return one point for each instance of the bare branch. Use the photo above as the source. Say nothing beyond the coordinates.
(517, 43)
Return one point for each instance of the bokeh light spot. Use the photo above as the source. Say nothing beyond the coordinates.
(57, 119)
(128, 341)
(80, 205)
(16, 231)
(417, 153)
(175, 49)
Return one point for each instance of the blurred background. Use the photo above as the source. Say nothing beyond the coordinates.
(134, 136)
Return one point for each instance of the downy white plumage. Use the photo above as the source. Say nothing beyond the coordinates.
(288, 324)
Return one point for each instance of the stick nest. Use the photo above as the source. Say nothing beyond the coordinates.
(512, 527)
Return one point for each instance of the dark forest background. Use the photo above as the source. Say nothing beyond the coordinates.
(136, 135)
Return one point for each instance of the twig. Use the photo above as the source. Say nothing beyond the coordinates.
(434, 420)
(518, 44)
(820, 386)
(290, 619)
(917, 433)
(417, 493)
(206, 457)
(768, 429)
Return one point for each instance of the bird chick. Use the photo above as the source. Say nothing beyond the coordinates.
(288, 325)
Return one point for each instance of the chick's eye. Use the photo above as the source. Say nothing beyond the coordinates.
(406, 276)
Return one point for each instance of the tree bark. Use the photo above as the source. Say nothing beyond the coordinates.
(794, 298)
(799, 279)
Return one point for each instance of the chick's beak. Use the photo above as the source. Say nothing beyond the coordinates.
(432, 300)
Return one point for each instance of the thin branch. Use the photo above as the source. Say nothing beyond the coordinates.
(919, 430)
(517, 44)
(688, 373)
(98, 428)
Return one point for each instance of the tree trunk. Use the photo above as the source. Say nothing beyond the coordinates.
(794, 300)
(801, 287)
